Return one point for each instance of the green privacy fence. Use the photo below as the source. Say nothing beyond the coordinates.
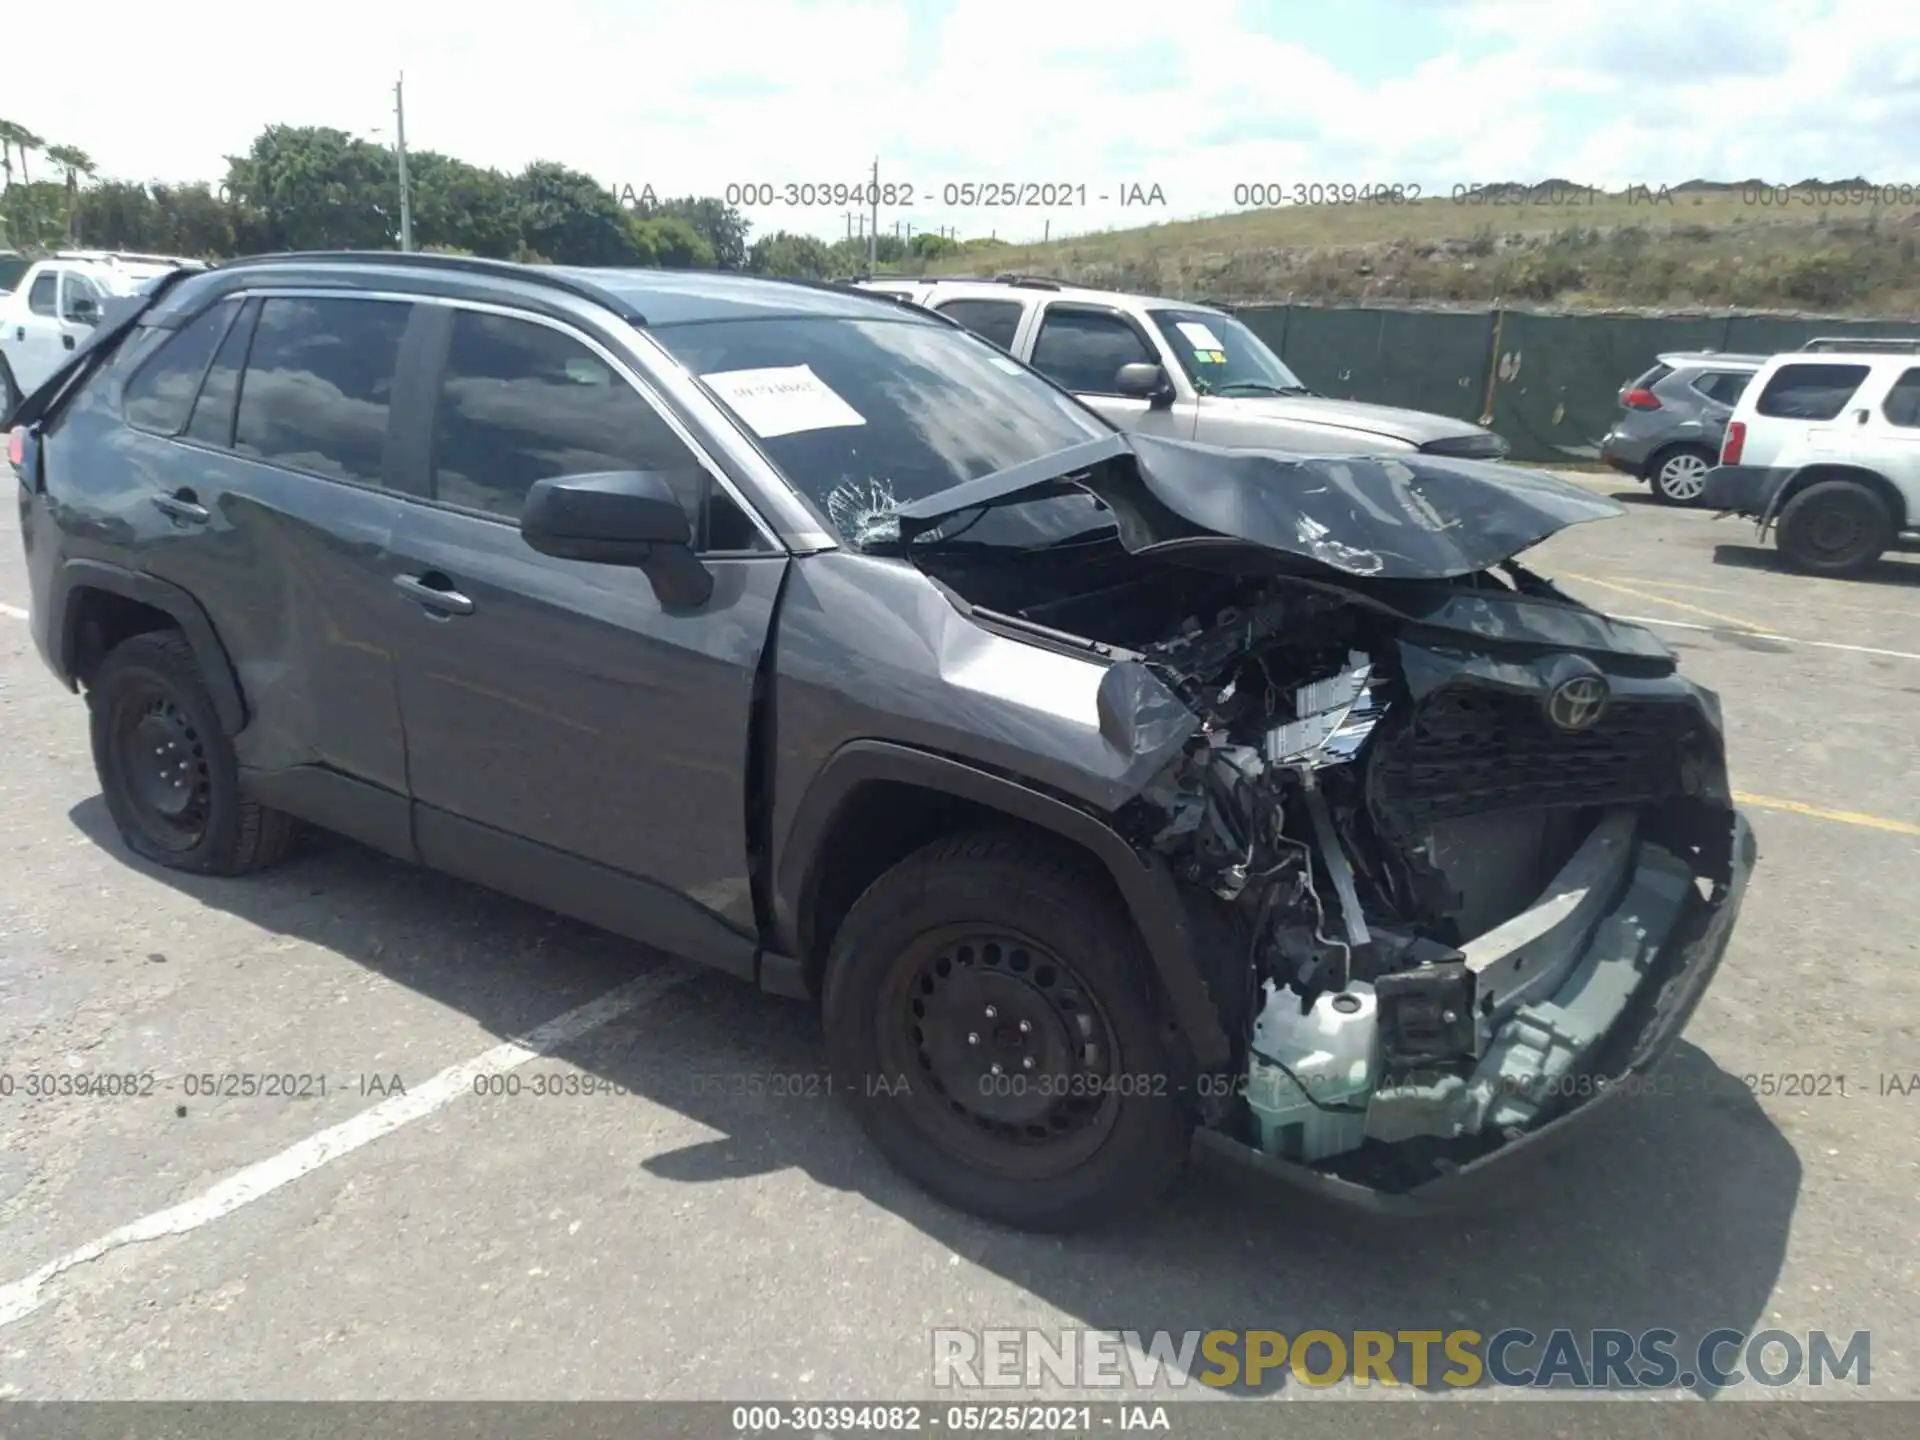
(1548, 383)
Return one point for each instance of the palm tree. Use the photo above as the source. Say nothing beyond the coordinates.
(76, 162)
(8, 130)
(23, 141)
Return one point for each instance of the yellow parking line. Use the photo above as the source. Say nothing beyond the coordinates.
(1844, 817)
(1663, 600)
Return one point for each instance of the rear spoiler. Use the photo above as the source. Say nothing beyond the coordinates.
(122, 314)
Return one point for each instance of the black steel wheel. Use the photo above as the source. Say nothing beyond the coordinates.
(989, 1017)
(1013, 1055)
(1834, 527)
(167, 768)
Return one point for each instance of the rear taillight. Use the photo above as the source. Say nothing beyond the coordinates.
(1640, 399)
(1734, 443)
(17, 447)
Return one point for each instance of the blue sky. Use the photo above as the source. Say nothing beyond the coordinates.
(1195, 97)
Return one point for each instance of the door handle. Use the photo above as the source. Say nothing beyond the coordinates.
(67, 340)
(182, 507)
(435, 597)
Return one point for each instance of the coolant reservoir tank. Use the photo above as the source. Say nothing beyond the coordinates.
(1310, 1076)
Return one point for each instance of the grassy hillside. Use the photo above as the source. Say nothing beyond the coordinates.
(1833, 247)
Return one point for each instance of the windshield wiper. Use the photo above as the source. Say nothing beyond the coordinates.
(1261, 387)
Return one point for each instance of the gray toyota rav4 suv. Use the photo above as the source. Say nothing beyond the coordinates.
(1113, 796)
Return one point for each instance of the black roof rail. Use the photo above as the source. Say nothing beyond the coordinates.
(465, 264)
(1031, 282)
(1894, 344)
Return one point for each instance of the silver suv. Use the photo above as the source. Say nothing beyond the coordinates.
(1673, 418)
(1186, 371)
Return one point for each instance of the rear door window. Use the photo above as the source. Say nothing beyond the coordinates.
(43, 297)
(1810, 392)
(161, 392)
(318, 385)
(995, 321)
(212, 422)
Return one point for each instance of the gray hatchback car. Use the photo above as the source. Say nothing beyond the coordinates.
(1110, 794)
(1673, 418)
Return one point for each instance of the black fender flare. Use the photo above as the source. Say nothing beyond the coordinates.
(1144, 880)
(216, 668)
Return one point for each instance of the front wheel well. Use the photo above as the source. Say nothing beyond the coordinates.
(879, 824)
(1872, 480)
(98, 620)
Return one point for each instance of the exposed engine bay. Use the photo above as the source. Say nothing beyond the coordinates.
(1447, 812)
(1429, 822)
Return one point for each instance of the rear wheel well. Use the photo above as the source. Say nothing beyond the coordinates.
(879, 824)
(1666, 452)
(1872, 480)
(98, 620)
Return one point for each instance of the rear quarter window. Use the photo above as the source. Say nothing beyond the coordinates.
(161, 391)
(1810, 392)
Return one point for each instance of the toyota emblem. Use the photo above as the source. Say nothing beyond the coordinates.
(1575, 704)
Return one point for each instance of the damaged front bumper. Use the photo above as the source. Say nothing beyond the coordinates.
(1662, 1000)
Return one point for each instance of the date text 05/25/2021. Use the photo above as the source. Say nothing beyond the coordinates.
(1058, 194)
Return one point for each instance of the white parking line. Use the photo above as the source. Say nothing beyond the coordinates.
(14, 612)
(1763, 635)
(23, 1297)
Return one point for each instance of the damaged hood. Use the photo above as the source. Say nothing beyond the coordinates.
(1414, 517)
(1416, 427)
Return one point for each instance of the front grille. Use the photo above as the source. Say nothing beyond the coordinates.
(1468, 751)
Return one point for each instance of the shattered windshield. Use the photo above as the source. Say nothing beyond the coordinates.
(864, 415)
(1223, 357)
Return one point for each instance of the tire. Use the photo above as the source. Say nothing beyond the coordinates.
(1834, 527)
(1677, 476)
(148, 697)
(995, 919)
(10, 396)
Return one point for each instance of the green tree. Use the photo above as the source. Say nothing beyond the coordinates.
(22, 218)
(928, 245)
(461, 207)
(670, 242)
(797, 256)
(317, 188)
(570, 218)
(722, 226)
(75, 162)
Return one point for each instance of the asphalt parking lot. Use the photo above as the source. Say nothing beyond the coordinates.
(665, 1226)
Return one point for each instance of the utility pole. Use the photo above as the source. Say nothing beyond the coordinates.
(873, 235)
(400, 151)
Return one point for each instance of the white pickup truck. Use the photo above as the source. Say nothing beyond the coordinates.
(55, 303)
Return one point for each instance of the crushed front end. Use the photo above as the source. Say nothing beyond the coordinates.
(1466, 845)
(1471, 847)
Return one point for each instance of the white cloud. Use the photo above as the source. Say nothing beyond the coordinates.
(691, 95)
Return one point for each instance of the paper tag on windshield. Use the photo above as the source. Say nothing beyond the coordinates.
(1199, 336)
(782, 400)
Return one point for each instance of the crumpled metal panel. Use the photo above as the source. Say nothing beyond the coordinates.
(1382, 517)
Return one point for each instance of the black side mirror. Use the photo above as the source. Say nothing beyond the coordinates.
(84, 312)
(620, 517)
(1143, 380)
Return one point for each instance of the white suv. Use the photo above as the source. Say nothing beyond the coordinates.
(1824, 446)
(1174, 368)
(56, 303)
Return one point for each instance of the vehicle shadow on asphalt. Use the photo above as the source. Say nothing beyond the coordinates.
(1887, 570)
(1672, 1213)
